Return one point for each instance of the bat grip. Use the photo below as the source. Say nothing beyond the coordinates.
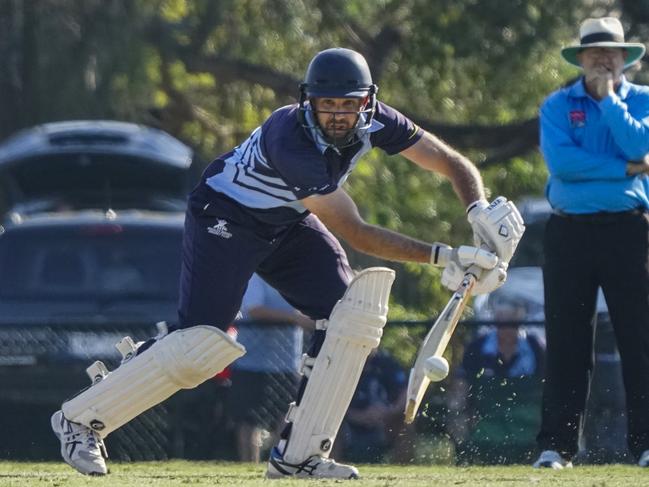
(471, 276)
(474, 271)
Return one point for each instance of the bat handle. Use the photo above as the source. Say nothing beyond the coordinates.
(475, 271)
(471, 276)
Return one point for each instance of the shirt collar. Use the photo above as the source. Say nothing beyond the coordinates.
(578, 90)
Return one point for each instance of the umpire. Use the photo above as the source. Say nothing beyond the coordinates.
(595, 140)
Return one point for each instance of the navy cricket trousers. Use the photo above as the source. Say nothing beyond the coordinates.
(582, 254)
(223, 245)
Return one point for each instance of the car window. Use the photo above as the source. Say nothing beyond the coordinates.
(78, 181)
(105, 261)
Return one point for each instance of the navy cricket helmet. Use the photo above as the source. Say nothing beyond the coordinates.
(337, 73)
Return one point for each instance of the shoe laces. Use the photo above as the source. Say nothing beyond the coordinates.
(91, 439)
(83, 434)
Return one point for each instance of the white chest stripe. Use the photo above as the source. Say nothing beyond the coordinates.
(243, 177)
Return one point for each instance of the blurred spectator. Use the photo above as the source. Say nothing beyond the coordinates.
(265, 379)
(498, 392)
(373, 426)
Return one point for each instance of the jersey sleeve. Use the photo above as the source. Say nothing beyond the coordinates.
(398, 131)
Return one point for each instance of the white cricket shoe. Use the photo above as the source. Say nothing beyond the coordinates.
(313, 467)
(81, 447)
(552, 459)
(644, 459)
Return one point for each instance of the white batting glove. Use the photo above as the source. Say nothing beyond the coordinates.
(456, 262)
(465, 256)
(497, 225)
(486, 282)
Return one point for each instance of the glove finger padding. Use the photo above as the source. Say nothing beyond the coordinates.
(452, 276)
(497, 225)
(489, 280)
(466, 256)
(508, 235)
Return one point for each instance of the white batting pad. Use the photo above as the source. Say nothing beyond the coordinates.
(354, 329)
(181, 360)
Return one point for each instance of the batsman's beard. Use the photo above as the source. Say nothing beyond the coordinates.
(339, 131)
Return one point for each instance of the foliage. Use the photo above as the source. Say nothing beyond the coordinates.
(209, 72)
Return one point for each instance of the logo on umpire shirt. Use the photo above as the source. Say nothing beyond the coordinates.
(220, 229)
(577, 118)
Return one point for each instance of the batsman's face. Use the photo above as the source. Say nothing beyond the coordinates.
(337, 116)
(598, 61)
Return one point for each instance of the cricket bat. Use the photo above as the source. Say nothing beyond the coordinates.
(435, 343)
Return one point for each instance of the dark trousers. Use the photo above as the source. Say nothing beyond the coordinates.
(223, 246)
(582, 255)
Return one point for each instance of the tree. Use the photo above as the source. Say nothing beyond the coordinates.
(208, 72)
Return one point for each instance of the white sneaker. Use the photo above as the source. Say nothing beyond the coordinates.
(315, 467)
(81, 447)
(644, 459)
(552, 459)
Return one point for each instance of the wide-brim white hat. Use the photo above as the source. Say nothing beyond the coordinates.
(603, 32)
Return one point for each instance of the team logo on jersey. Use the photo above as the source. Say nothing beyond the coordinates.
(319, 188)
(577, 118)
(220, 229)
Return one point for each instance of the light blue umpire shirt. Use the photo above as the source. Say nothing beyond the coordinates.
(587, 144)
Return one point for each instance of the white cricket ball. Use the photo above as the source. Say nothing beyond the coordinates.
(436, 368)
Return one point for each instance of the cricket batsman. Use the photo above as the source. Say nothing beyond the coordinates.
(275, 205)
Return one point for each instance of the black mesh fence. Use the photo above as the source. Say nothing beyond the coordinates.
(42, 365)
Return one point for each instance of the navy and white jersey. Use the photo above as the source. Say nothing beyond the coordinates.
(280, 163)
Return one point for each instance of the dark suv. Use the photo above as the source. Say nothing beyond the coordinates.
(89, 252)
(90, 266)
(94, 164)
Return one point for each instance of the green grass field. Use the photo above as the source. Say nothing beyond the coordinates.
(182, 473)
